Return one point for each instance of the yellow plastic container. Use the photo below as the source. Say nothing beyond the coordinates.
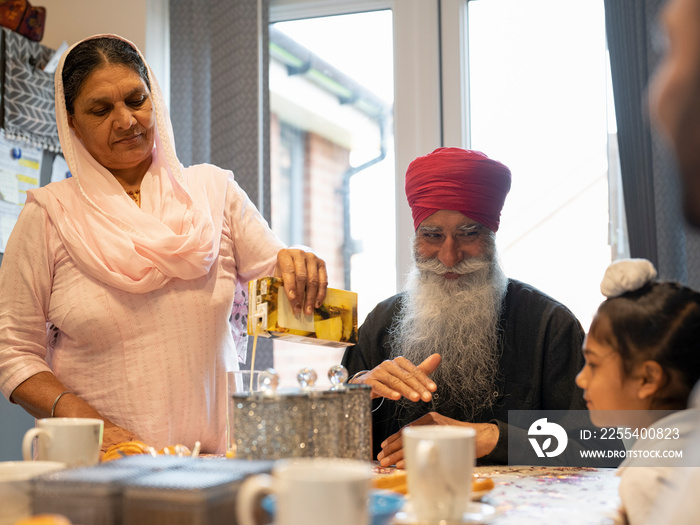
(333, 324)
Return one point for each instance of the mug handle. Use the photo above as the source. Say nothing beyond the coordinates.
(249, 496)
(29, 439)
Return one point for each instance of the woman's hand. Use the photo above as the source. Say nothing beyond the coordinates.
(304, 275)
(398, 377)
(392, 447)
(114, 435)
(38, 395)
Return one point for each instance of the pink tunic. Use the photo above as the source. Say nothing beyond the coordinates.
(152, 362)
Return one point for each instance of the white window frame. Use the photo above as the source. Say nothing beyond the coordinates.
(426, 115)
(157, 37)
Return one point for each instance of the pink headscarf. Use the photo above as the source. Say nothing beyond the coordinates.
(457, 179)
(175, 233)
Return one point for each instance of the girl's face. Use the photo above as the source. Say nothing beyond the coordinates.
(604, 382)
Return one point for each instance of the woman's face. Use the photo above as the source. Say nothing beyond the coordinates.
(115, 119)
(605, 385)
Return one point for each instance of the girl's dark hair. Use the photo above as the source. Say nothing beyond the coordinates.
(659, 322)
(90, 55)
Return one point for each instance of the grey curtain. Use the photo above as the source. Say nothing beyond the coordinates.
(219, 97)
(651, 186)
(217, 57)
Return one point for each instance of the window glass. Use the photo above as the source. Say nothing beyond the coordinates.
(332, 163)
(540, 102)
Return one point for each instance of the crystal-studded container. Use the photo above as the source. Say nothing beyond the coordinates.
(302, 422)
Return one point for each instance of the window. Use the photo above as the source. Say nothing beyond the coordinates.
(526, 82)
(332, 168)
(540, 102)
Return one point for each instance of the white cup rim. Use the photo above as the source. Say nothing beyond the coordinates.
(23, 470)
(439, 432)
(68, 421)
(308, 469)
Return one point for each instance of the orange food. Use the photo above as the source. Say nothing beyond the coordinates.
(395, 479)
(131, 448)
(127, 448)
(480, 484)
(390, 479)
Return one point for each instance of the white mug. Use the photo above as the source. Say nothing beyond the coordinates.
(310, 491)
(71, 440)
(15, 499)
(439, 466)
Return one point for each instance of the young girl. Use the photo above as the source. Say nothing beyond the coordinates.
(642, 353)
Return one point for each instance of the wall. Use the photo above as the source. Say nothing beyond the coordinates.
(72, 20)
(326, 163)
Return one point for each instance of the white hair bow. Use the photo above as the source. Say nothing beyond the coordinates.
(626, 275)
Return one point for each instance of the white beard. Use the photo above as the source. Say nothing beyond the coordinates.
(458, 319)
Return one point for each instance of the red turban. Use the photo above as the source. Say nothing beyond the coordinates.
(460, 180)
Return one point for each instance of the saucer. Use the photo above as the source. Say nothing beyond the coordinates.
(476, 513)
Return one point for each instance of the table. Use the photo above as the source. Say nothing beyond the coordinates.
(542, 495)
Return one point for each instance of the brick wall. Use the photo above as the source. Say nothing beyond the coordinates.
(325, 165)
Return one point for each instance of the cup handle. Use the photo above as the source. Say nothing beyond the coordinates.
(250, 494)
(29, 438)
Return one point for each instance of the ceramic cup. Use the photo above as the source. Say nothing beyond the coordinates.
(15, 499)
(310, 491)
(439, 466)
(70, 440)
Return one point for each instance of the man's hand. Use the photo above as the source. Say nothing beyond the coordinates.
(397, 378)
(303, 273)
(392, 448)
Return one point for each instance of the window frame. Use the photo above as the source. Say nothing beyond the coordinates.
(421, 104)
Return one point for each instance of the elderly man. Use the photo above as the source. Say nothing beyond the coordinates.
(463, 344)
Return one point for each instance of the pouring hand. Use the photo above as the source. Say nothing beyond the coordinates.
(304, 275)
(392, 447)
(398, 377)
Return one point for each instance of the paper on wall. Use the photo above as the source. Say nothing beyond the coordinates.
(20, 168)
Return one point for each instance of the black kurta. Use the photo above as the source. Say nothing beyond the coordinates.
(541, 354)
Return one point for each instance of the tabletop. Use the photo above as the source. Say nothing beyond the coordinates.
(542, 495)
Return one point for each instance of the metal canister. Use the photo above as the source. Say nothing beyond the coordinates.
(302, 422)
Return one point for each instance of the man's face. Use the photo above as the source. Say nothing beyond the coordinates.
(675, 96)
(451, 237)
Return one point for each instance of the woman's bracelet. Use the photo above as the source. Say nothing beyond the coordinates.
(55, 401)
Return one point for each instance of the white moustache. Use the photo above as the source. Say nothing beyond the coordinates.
(464, 267)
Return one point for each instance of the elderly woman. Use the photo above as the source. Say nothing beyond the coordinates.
(118, 283)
